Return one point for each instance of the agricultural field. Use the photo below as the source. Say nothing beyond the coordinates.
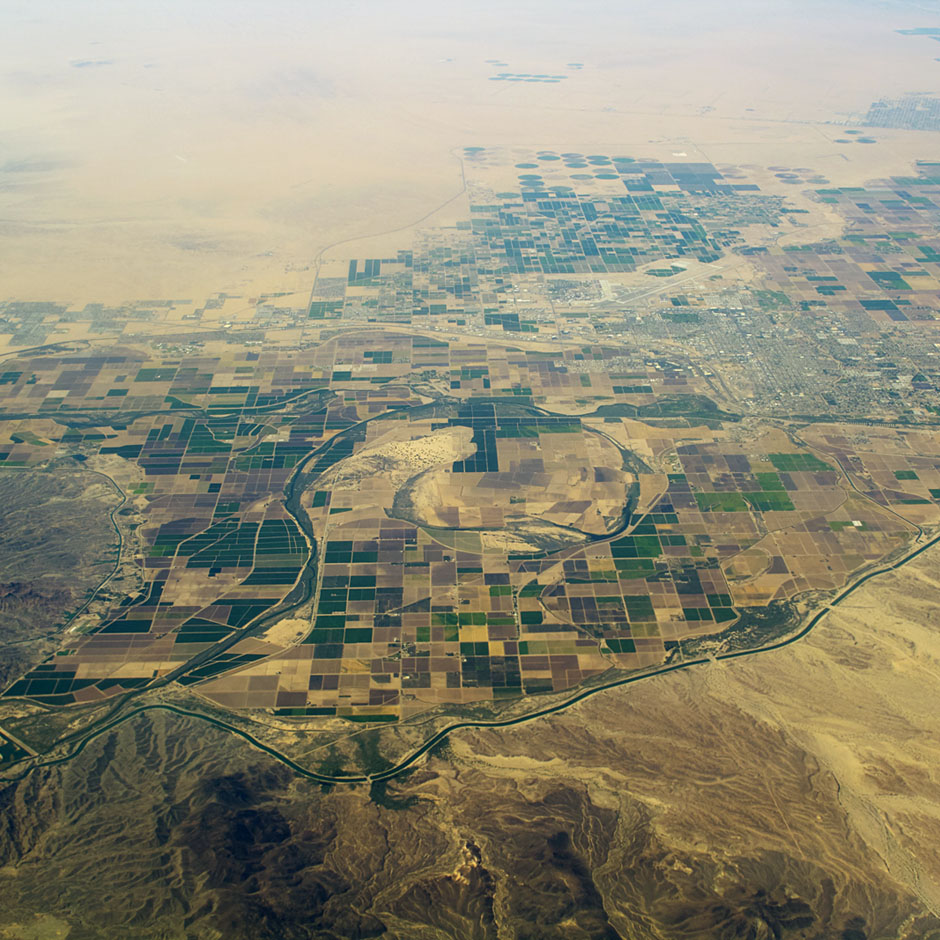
(453, 477)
